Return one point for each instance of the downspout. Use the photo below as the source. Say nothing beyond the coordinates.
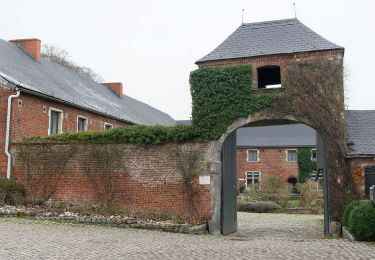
(7, 133)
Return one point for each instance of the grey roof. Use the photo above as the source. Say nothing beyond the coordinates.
(292, 135)
(183, 122)
(56, 81)
(360, 130)
(266, 38)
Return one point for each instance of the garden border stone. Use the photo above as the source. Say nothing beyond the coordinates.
(126, 222)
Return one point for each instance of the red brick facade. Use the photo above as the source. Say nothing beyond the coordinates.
(30, 117)
(151, 177)
(281, 60)
(358, 166)
(272, 161)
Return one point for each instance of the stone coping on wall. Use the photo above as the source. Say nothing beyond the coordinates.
(114, 221)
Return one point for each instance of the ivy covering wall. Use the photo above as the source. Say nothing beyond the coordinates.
(222, 95)
(305, 164)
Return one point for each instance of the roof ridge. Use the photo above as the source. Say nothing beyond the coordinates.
(272, 21)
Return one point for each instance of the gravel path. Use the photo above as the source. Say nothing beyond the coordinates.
(261, 236)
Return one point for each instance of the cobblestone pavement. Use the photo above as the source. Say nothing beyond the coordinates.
(261, 236)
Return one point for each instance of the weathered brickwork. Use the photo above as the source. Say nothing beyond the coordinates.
(30, 117)
(147, 179)
(272, 161)
(281, 60)
(358, 166)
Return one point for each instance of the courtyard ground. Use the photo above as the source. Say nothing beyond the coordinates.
(261, 236)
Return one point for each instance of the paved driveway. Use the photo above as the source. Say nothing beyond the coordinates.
(261, 236)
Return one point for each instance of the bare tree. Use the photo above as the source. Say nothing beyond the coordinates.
(63, 58)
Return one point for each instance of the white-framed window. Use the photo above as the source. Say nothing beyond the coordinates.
(313, 154)
(55, 121)
(108, 126)
(82, 123)
(291, 155)
(252, 155)
(252, 177)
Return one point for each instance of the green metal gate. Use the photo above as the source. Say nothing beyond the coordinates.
(229, 186)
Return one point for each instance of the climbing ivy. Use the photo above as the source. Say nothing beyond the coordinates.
(305, 164)
(222, 95)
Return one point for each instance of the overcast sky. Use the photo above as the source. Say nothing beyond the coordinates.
(151, 46)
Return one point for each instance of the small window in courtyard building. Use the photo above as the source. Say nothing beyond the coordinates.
(269, 77)
(55, 122)
(108, 126)
(81, 124)
(313, 154)
(252, 177)
(291, 155)
(252, 155)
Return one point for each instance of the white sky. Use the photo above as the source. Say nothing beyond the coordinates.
(151, 46)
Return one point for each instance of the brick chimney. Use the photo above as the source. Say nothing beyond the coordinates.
(115, 87)
(30, 46)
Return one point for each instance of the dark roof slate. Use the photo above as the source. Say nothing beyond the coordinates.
(360, 130)
(292, 135)
(183, 122)
(56, 81)
(267, 38)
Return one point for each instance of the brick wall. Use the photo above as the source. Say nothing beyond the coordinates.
(358, 166)
(147, 179)
(32, 118)
(4, 93)
(272, 161)
(282, 60)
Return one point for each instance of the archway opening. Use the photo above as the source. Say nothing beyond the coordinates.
(266, 168)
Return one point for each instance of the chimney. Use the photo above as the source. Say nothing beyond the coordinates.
(30, 46)
(115, 87)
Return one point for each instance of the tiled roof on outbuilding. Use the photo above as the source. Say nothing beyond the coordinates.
(360, 130)
(267, 38)
(291, 135)
(50, 79)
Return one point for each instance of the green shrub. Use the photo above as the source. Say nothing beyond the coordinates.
(362, 222)
(11, 193)
(348, 209)
(258, 206)
(138, 134)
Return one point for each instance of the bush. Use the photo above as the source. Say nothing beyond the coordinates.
(11, 193)
(345, 218)
(362, 222)
(258, 206)
(138, 134)
(308, 193)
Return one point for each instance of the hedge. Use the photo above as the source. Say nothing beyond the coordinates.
(362, 222)
(138, 134)
(348, 209)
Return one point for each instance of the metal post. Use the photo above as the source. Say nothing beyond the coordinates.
(322, 166)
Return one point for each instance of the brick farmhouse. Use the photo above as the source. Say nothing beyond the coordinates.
(41, 97)
(264, 151)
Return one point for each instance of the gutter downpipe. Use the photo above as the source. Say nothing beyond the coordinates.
(7, 133)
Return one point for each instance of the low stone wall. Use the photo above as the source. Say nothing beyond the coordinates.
(170, 178)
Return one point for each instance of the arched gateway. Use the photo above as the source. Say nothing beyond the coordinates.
(305, 87)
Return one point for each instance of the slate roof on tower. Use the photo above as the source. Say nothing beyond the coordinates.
(267, 38)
